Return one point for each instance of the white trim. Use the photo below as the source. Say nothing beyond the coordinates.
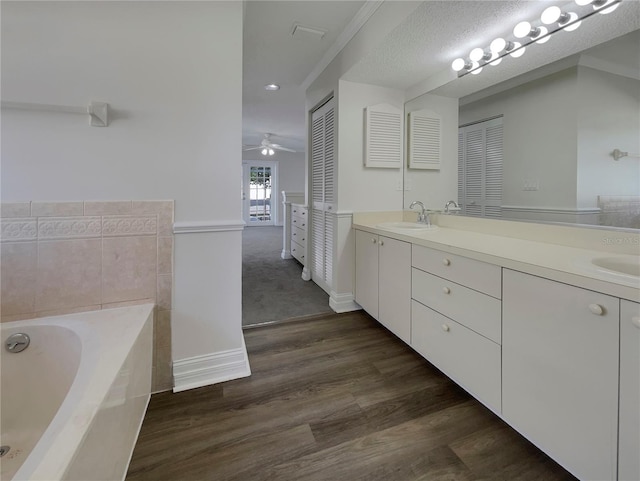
(286, 254)
(306, 274)
(344, 213)
(343, 302)
(356, 23)
(210, 369)
(551, 210)
(191, 227)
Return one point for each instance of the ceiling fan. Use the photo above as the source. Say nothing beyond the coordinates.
(267, 147)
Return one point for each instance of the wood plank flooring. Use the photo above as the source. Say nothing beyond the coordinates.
(337, 398)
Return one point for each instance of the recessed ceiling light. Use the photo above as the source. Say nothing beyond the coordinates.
(272, 87)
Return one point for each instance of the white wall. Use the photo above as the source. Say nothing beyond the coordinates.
(608, 118)
(175, 132)
(434, 188)
(540, 140)
(363, 188)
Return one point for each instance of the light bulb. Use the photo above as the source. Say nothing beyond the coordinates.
(476, 71)
(476, 54)
(543, 31)
(264, 151)
(495, 60)
(522, 30)
(572, 18)
(551, 15)
(498, 45)
(519, 52)
(583, 2)
(271, 152)
(607, 7)
(458, 64)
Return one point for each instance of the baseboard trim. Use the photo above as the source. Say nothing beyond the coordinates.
(210, 369)
(286, 254)
(343, 302)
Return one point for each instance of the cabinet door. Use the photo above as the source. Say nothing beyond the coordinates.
(394, 286)
(560, 371)
(629, 444)
(367, 271)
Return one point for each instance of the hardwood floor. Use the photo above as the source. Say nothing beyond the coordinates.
(336, 399)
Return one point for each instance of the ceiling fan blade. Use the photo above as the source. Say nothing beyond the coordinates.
(253, 148)
(280, 147)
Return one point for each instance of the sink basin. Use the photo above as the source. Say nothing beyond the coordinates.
(626, 265)
(413, 227)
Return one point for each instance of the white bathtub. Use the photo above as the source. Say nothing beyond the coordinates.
(74, 400)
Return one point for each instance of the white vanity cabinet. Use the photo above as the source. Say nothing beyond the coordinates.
(629, 441)
(456, 320)
(383, 281)
(560, 347)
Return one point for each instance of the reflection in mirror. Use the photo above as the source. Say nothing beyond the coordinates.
(560, 126)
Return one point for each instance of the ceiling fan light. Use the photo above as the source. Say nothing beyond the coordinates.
(271, 152)
(264, 151)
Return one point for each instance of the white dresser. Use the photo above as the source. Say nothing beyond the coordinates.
(299, 229)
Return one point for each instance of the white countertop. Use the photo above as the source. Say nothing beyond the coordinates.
(562, 263)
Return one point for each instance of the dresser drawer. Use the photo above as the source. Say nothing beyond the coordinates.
(471, 360)
(479, 312)
(298, 251)
(299, 222)
(477, 275)
(298, 235)
(298, 211)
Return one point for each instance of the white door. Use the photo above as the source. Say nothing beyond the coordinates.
(259, 192)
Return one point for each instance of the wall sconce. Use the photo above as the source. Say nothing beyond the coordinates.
(552, 20)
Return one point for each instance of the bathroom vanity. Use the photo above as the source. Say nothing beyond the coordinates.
(535, 330)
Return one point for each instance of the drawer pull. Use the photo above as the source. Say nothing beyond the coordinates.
(445, 328)
(446, 262)
(381, 243)
(373, 240)
(597, 309)
(446, 290)
(304, 225)
(636, 321)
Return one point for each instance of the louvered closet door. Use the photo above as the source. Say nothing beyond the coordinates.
(480, 168)
(322, 195)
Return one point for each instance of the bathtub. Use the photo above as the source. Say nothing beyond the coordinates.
(74, 400)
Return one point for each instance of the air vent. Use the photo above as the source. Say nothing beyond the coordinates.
(425, 138)
(383, 136)
(305, 31)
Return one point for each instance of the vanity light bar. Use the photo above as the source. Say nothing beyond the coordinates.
(552, 20)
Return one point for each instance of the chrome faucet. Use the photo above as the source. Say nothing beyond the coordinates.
(448, 204)
(423, 215)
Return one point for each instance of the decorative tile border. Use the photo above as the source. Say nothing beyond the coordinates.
(129, 225)
(69, 227)
(17, 229)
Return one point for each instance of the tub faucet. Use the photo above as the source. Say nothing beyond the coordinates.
(423, 215)
(455, 208)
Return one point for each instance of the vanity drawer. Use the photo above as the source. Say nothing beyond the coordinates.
(298, 251)
(471, 360)
(298, 235)
(475, 310)
(477, 275)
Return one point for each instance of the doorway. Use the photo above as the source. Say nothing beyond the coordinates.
(259, 192)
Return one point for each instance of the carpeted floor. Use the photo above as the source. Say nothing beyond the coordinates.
(272, 287)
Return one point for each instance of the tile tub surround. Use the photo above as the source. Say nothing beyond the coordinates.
(66, 257)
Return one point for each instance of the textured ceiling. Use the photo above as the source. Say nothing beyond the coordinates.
(423, 46)
(272, 55)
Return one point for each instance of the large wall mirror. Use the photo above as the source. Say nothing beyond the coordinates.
(562, 130)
